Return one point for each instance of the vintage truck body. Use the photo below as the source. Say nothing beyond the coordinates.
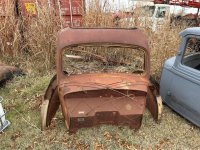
(180, 78)
(89, 99)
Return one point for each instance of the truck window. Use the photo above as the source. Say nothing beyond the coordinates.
(191, 57)
(161, 12)
(148, 11)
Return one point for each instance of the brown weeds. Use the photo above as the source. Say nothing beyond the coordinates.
(10, 38)
(33, 40)
(40, 38)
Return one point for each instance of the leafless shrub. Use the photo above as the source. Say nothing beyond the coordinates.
(10, 38)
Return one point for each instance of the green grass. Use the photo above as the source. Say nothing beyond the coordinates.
(22, 100)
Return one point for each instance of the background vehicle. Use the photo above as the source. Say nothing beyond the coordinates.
(154, 14)
(180, 79)
(192, 16)
(158, 15)
(146, 14)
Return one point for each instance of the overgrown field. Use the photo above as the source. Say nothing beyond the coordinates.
(22, 100)
(29, 43)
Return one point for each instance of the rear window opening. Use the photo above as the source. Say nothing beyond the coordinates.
(191, 56)
(103, 58)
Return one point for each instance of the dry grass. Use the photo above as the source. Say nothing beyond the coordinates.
(34, 52)
(22, 100)
(95, 17)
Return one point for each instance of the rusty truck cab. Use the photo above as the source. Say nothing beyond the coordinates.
(92, 98)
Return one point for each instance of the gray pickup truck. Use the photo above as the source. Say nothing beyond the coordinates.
(180, 79)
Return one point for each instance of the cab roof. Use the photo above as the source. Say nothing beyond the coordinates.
(190, 31)
(76, 36)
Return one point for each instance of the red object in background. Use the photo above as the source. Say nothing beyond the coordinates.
(186, 3)
(160, 2)
(65, 9)
(194, 3)
(28, 7)
(76, 21)
(68, 10)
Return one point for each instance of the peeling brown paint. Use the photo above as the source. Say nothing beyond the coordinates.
(101, 98)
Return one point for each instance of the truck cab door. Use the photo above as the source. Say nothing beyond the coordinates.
(185, 86)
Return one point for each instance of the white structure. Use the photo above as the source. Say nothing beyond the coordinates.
(3, 122)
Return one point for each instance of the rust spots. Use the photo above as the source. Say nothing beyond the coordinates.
(91, 99)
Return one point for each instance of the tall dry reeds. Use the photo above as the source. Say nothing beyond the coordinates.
(95, 16)
(39, 35)
(163, 44)
(10, 37)
(28, 40)
(33, 40)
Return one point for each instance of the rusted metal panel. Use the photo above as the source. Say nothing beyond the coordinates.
(69, 37)
(7, 73)
(51, 102)
(103, 98)
(152, 103)
(107, 106)
(125, 93)
(96, 81)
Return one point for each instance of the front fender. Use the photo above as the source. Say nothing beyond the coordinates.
(154, 103)
(50, 103)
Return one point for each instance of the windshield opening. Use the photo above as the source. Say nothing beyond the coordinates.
(161, 12)
(103, 58)
(148, 11)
